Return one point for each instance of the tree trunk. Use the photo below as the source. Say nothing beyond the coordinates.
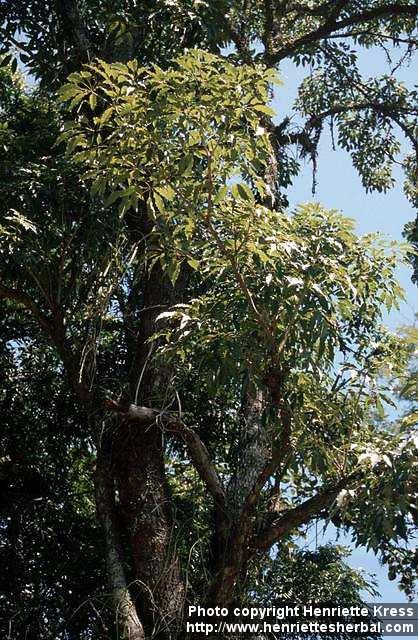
(253, 449)
(144, 501)
(138, 463)
(251, 456)
(127, 621)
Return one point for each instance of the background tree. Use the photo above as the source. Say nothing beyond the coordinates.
(94, 280)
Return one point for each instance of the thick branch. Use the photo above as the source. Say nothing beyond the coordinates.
(412, 42)
(332, 26)
(235, 561)
(280, 455)
(303, 138)
(236, 35)
(268, 27)
(385, 109)
(389, 10)
(73, 25)
(199, 455)
(301, 514)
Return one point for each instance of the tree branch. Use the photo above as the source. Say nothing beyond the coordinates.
(280, 454)
(331, 26)
(301, 514)
(237, 550)
(384, 109)
(236, 36)
(56, 330)
(375, 34)
(26, 301)
(199, 455)
(268, 27)
(303, 139)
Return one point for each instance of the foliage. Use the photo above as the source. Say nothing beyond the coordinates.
(53, 574)
(323, 571)
(297, 295)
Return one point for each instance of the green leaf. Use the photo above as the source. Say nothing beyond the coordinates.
(195, 264)
(221, 194)
(173, 271)
(245, 192)
(159, 202)
(112, 198)
(380, 409)
(185, 164)
(76, 141)
(68, 91)
(242, 191)
(189, 228)
(4, 62)
(106, 115)
(410, 419)
(263, 108)
(93, 101)
(166, 192)
(194, 138)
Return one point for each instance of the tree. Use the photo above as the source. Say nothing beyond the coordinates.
(268, 302)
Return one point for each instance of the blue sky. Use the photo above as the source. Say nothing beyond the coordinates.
(339, 187)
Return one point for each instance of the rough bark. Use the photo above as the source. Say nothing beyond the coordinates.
(263, 455)
(74, 29)
(142, 418)
(127, 621)
(252, 450)
(138, 466)
(144, 501)
(170, 423)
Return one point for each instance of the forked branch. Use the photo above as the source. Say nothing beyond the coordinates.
(198, 452)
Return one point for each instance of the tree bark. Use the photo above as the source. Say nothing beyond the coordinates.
(72, 25)
(139, 469)
(144, 500)
(127, 621)
(253, 449)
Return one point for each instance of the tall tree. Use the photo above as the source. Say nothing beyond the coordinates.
(161, 227)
